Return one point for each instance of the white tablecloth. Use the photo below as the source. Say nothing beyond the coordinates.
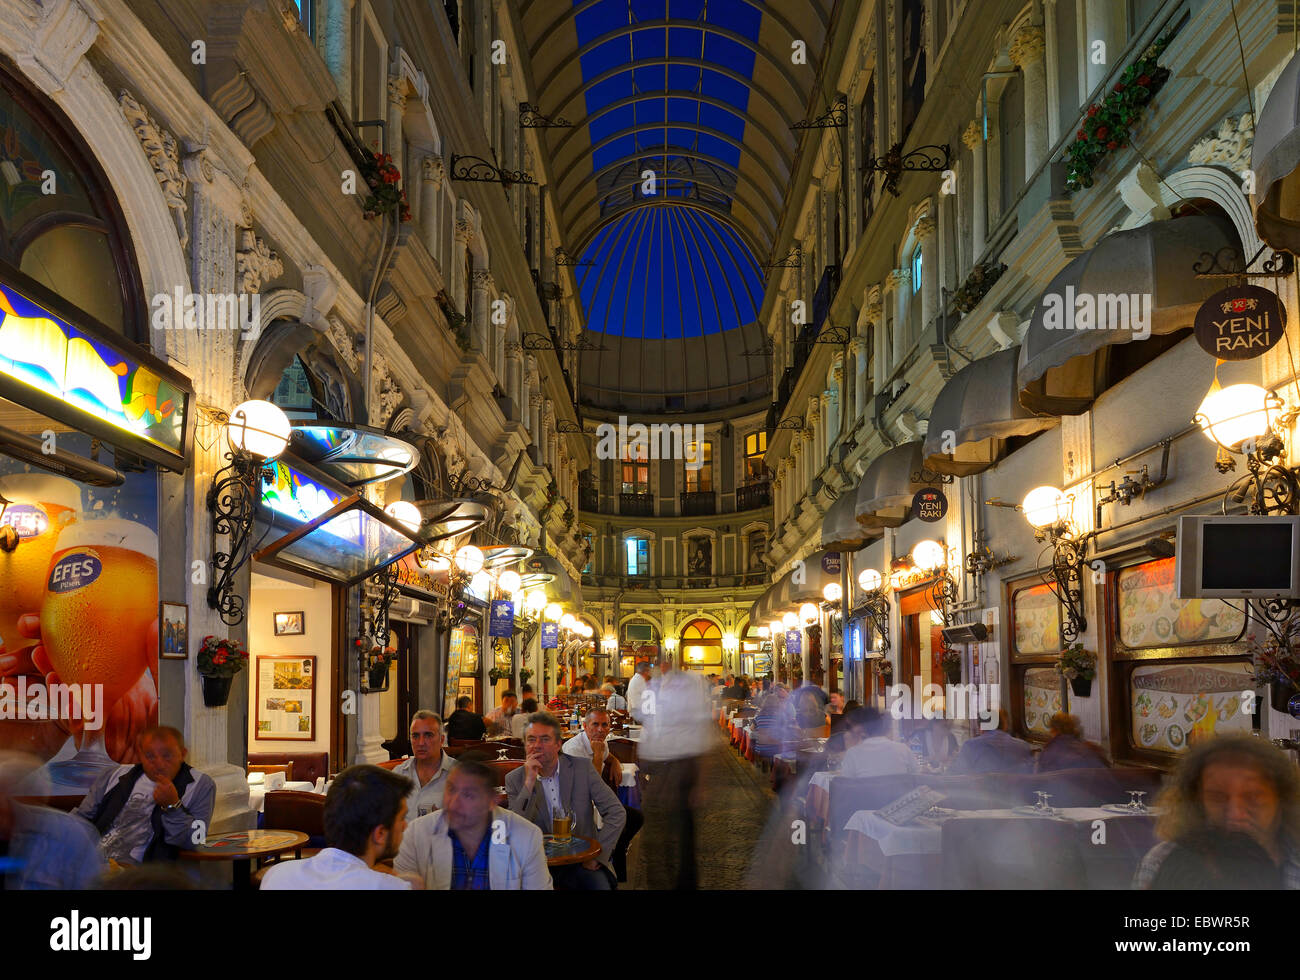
(629, 774)
(925, 834)
(257, 792)
(822, 780)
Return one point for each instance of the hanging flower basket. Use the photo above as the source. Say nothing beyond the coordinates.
(1081, 686)
(216, 690)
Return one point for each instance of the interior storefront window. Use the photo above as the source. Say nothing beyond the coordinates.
(1037, 616)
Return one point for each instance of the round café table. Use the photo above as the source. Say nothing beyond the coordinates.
(241, 846)
(575, 851)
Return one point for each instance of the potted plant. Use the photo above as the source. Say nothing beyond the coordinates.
(524, 674)
(499, 674)
(951, 663)
(386, 196)
(1080, 667)
(219, 660)
(1276, 662)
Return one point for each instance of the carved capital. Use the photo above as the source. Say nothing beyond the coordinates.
(464, 232)
(1230, 146)
(255, 262)
(163, 153)
(397, 93)
(925, 229)
(972, 136)
(433, 170)
(1027, 46)
(514, 350)
(898, 278)
(482, 279)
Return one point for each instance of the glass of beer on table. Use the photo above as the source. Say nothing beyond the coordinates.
(562, 826)
(97, 619)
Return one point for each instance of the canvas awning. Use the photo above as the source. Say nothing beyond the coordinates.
(891, 481)
(818, 570)
(976, 412)
(840, 528)
(1065, 355)
(1275, 159)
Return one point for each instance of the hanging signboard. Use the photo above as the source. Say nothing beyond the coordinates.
(929, 505)
(502, 620)
(793, 642)
(550, 636)
(831, 563)
(1240, 322)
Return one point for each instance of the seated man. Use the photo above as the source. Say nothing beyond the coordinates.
(365, 816)
(994, 751)
(428, 766)
(836, 705)
(465, 724)
(520, 721)
(613, 700)
(498, 720)
(40, 847)
(871, 752)
(471, 844)
(590, 744)
(1066, 749)
(550, 783)
(149, 812)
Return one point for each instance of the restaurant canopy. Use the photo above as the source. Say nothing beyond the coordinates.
(810, 576)
(840, 528)
(1063, 364)
(976, 412)
(891, 481)
(1275, 159)
(772, 603)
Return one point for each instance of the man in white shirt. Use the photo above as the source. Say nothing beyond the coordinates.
(365, 816)
(613, 700)
(473, 845)
(498, 721)
(428, 766)
(636, 688)
(871, 752)
(590, 744)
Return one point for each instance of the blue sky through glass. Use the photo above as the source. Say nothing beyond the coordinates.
(667, 271)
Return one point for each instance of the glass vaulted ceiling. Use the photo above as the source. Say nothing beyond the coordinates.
(671, 267)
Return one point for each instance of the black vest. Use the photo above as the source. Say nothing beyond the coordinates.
(115, 800)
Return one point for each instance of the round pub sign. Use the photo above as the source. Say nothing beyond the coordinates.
(1240, 322)
(929, 505)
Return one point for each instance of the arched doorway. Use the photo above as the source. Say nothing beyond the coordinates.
(701, 646)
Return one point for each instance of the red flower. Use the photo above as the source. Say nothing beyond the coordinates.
(1112, 145)
(219, 658)
(1092, 111)
(1082, 135)
(1102, 132)
(1119, 87)
(1144, 80)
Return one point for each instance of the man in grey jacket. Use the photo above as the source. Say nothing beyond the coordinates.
(549, 783)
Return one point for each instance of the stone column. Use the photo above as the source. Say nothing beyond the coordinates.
(973, 137)
(1027, 50)
(431, 176)
(397, 92)
(800, 469)
(858, 348)
(834, 398)
(898, 284)
(336, 43)
(462, 236)
(812, 464)
(482, 326)
(1099, 20)
(816, 449)
(873, 311)
(925, 233)
(515, 386)
(535, 421)
(778, 507)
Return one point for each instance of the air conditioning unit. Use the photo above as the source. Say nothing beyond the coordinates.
(966, 633)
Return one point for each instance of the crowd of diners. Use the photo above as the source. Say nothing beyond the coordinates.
(1228, 811)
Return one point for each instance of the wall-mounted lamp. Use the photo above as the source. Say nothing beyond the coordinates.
(832, 594)
(1247, 420)
(1049, 512)
(609, 644)
(670, 644)
(730, 644)
(258, 432)
(763, 632)
(808, 614)
(869, 580)
(790, 621)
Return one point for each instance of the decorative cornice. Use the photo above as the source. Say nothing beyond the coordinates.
(1229, 147)
(163, 153)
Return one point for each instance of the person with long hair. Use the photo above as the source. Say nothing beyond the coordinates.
(1234, 784)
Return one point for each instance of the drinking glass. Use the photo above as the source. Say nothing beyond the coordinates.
(1135, 800)
(562, 827)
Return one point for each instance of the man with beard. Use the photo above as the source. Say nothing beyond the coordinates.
(365, 816)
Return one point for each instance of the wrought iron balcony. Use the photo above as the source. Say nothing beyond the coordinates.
(636, 504)
(754, 495)
(699, 503)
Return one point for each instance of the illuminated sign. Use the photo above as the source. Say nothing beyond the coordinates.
(82, 368)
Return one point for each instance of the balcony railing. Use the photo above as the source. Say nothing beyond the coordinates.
(670, 582)
(754, 495)
(698, 503)
(636, 504)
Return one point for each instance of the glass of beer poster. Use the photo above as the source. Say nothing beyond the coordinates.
(99, 620)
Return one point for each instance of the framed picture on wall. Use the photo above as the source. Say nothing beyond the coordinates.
(286, 698)
(289, 624)
(173, 630)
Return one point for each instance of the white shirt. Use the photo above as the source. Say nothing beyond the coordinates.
(635, 688)
(333, 870)
(427, 798)
(879, 756)
(516, 855)
(616, 702)
(518, 722)
(680, 726)
(551, 785)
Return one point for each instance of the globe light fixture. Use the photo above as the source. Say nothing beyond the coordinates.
(1046, 507)
(481, 583)
(790, 621)
(1234, 415)
(509, 581)
(869, 580)
(929, 556)
(406, 514)
(808, 614)
(776, 627)
(258, 429)
(833, 593)
(553, 612)
(567, 622)
(535, 602)
(469, 560)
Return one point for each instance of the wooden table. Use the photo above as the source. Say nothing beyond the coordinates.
(240, 847)
(577, 851)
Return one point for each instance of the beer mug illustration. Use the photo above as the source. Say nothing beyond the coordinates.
(40, 507)
(101, 600)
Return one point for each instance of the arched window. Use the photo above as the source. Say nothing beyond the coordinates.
(59, 221)
(701, 644)
(313, 387)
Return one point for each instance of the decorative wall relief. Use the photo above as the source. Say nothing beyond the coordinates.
(164, 156)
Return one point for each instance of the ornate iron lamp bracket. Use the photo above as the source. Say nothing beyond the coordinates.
(476, 169)
(932, 158)
(564, 260)
(531, 117)
(1226, 263)
(836, 116)
(232, 502)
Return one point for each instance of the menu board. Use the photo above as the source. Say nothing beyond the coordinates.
(452, 687)
(286, 698)
(1173, 706)
(469, 652)
(1151, 615)
(1037, 615)
(1042, 698)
